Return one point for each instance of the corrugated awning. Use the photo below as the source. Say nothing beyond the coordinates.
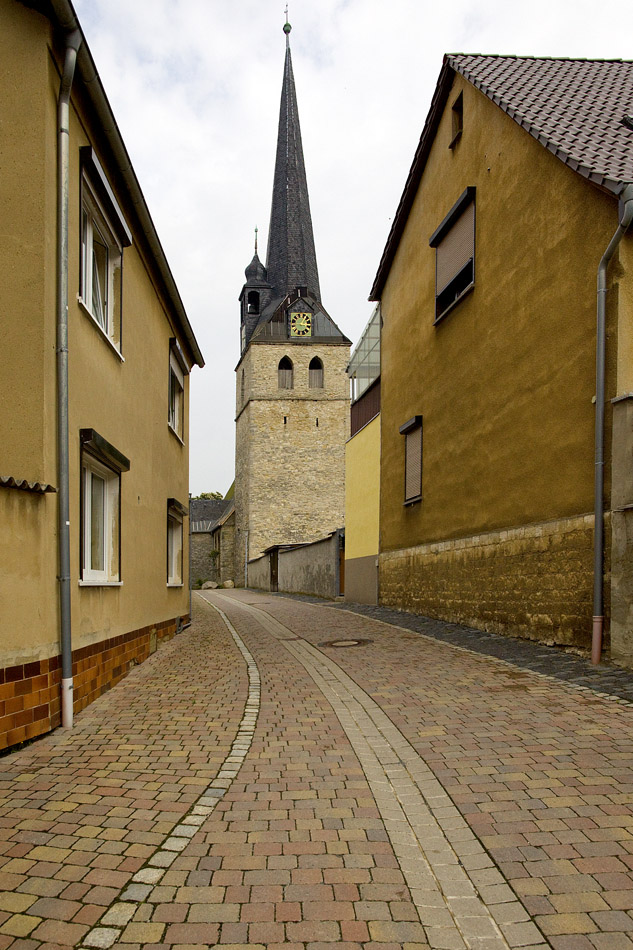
(40, 488)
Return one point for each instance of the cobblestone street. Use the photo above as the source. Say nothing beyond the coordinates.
(287, 772)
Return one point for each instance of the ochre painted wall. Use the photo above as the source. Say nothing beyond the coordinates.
(502, 537)
(28, 546)
(362, 492)
(124, 399)
(505, 382)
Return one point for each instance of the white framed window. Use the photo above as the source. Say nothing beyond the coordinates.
(176, 415)
(101, 266)
(101, 468)
(101, 521)
(103, 235)
(175, 513)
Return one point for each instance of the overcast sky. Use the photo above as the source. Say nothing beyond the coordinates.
(195, 88)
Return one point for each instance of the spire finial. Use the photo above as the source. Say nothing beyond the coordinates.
(256, 229)
(287, 29)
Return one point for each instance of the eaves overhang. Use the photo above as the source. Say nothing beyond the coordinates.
(438, 102)
(62, 15)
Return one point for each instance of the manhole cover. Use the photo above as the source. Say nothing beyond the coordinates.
(344, 643)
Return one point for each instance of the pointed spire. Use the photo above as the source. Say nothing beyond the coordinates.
(291, 258)
(287, 29)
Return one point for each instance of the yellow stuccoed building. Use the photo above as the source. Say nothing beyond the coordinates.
(487, 288)
(94, 419)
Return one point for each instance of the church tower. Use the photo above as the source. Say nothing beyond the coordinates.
(292, 391)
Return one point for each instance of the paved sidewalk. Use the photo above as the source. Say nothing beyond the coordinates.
(284, 773)
(605, 677)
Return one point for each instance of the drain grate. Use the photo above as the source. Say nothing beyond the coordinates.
(343, 644)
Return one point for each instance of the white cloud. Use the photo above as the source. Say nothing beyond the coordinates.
(195, 86)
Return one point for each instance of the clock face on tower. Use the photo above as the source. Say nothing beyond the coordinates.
(300, 324)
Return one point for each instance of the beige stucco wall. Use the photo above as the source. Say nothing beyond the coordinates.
(505, 382)
(125, 400)
(289, 483)
(28, 551)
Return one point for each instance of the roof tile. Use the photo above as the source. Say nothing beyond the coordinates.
(572, 106)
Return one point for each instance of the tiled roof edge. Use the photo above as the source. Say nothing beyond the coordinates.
(444, 82)
(440, 95)
(610, 184)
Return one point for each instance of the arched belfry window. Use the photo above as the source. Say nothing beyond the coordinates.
(315, 374)
(284, 373)
(252, 302)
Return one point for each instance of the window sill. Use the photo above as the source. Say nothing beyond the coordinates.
(104, 335)
(100, 583)
(453, 142)
(454, 304)
(174, 433)
(411, 501)
(170, 584)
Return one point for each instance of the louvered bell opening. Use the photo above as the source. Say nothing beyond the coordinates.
(315, 374)
(454, 261)
(413, 465)
(285, 379)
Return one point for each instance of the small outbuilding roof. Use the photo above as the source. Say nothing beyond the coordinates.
(207, 514)
(579, 109)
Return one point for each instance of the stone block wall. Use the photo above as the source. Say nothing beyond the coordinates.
(204, 567)
(535, 581)
(290, 449)
(227, 554)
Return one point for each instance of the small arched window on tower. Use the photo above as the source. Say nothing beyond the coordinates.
(284, 373)
(315, 374)
(252, 302)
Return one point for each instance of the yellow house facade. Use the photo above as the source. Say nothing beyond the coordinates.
(94, 406)
(362, 469)
(489, 394)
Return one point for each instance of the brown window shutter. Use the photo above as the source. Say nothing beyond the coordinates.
(456, 249)
(413, 464)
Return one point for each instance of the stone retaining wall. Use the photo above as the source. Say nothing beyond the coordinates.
(535, 581)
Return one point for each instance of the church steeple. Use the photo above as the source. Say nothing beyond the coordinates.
(291, 258)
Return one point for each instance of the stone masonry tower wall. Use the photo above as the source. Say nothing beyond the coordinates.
(290, 448)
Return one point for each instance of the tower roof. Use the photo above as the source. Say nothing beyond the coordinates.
(291, 259)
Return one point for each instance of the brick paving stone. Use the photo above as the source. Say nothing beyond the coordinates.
(521, 789)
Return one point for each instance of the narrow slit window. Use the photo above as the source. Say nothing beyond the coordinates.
(457, 118)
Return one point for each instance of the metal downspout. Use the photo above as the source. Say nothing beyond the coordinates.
(73, 42)
(626, 217)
